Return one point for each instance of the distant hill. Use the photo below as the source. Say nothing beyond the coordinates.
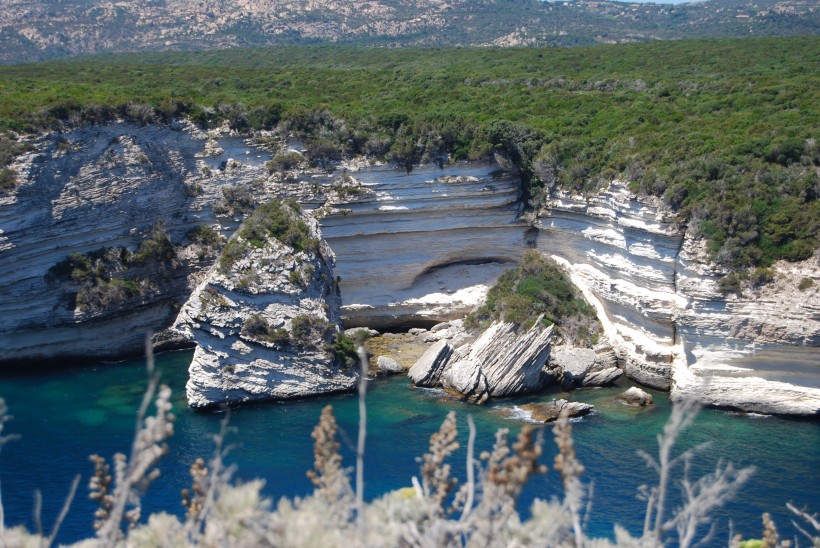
(50, 29)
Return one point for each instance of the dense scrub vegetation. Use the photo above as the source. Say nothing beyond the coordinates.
(538, 288)
(725, 131)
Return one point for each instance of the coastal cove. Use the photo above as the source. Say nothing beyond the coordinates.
(63, 415)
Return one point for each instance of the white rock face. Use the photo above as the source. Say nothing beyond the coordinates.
(655, 293)
(503, 361)
(427, 370)
(90, 188)
(635, 397)
(285, 358)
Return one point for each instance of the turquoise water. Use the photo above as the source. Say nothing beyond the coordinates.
(66, 414)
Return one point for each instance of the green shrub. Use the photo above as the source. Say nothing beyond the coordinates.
(285, 162)
(257, 327)
(537, 287)
(730, 283)
(805, 284)
(344, 350)
(8, 180)
(204, 235)
(278, 220)
(306, 330)
(156, 248)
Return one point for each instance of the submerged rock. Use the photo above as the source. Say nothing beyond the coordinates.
(550, 411)
(635, 397)
(264, 318)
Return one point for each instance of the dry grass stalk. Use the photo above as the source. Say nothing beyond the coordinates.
(435, 473)
(570, 469)
(810, 519)
(133, 475)
(327, 475)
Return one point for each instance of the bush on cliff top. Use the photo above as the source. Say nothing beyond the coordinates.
(278, 220)
(537, 287)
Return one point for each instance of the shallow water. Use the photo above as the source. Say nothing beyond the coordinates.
(65, 415)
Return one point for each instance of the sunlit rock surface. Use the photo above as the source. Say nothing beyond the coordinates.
(91, 188)
(235, 363)
(413, 250)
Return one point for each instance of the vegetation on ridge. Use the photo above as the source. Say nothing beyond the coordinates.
(725, 131)
(274, 219)
(110, 276)
(538, 287)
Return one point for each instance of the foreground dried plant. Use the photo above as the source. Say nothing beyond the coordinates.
(483, 512)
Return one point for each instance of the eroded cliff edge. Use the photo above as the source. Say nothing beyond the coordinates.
(433, 240)
(658, 298)
(266, 315)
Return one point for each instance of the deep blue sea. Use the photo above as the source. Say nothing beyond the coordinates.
(63, 415)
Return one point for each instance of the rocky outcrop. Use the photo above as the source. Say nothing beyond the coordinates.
(389, 365)
(424, 247)
(263, 321)
(550, 411)
(655, 292)
(635, 397)
(426, 372)
(505, 360)
(91, 191)
(585, 366)
(602, 377)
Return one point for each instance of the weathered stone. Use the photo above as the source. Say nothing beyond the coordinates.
(243, 319)
(574, 362)
(605, 360)
(550, 411)
(361, 331)
(602, 377)
(635, 397)
(427, 370)
(507, 360)
(389, 365)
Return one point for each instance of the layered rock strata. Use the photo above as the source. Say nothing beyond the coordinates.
(505, 360)
(657, 297)
(87, 191)
(263, 325)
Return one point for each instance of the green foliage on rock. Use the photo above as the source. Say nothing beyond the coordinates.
(204, 235)
(309, 331)
(110, 276)
(257, 327)
(537, 287)
(344, 350)
(272, 220)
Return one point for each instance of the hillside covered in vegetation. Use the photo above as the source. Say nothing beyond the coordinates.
(725, 131)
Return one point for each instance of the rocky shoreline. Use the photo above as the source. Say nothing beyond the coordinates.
(94, 195)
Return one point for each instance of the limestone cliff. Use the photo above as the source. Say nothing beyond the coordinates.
(88, 199)
(656, 294)
(265, 317)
